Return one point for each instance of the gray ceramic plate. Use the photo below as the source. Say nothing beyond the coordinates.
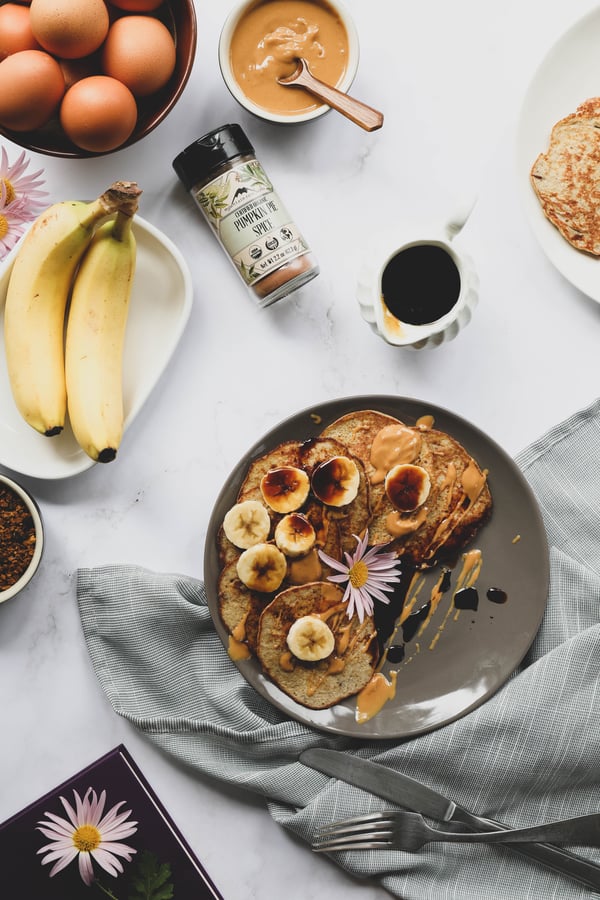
(458, 661)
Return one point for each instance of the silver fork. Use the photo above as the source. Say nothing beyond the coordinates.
(409, 831)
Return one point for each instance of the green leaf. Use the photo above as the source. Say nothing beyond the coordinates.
(152, 879)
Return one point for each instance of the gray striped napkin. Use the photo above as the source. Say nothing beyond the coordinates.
(530, 753)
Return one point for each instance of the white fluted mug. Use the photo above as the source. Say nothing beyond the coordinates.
(417, 287)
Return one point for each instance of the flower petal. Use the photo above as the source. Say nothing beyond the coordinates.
(72, 813)
(108, 862)
(58, 824)
(119, 849)
(85, 867)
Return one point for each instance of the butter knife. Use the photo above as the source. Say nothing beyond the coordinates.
(405, 791)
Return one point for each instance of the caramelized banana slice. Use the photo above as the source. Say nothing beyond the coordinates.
(336, 481)
(285, 488)
(310, 639)
(262, 568)
(246, 524)
(294, 535)
(407, 486)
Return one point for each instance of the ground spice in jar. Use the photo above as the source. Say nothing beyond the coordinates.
(17, 537)
(236, 197)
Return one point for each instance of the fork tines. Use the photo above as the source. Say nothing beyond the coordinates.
(359, 833)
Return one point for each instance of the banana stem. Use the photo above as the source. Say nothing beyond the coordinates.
(122, 225)
(121, 196)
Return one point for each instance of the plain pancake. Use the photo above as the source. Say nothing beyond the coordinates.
(566, 178)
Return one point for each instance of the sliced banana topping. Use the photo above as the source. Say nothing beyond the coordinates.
(246, 524)
(285, 488)
(294, 535)
(336, 481)
(310, 639)
(407, 486)
(262, 567)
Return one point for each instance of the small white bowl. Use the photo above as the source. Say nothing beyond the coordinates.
(33, 508)
(237, 92)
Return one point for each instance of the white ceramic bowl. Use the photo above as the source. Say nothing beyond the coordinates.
(31, 569)
(227, 32)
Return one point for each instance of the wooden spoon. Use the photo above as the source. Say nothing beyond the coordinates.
(359, 113)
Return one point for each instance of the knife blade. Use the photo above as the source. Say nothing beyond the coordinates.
(411, 794)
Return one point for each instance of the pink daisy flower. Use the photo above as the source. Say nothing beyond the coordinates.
(368, 572)
(21, 199)
(87, 835)
(17, 183)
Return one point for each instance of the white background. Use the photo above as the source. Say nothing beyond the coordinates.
(450, 78)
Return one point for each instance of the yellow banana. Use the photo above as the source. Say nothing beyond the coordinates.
(96, 325)
(36, 300)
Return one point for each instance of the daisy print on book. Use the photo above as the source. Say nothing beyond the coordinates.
(90, 836)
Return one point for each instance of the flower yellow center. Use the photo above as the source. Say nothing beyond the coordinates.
(10, 191)
(86, 838)
(3, 226)
(358, 574)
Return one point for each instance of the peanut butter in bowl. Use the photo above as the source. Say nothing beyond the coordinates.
(262, 40)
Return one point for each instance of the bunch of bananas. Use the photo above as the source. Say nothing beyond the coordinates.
(64, 323)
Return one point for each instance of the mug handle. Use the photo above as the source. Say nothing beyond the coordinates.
(459, 218)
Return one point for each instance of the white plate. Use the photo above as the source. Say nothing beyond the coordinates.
(569, 74)
(161, 303)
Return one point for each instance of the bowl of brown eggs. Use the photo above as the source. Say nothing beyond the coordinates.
(88, 77)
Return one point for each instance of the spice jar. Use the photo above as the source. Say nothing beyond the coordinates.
(230, 187)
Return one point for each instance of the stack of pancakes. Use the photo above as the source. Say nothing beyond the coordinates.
(458, 504)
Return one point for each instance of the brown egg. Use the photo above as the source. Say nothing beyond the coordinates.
(69, 28)
(32, 87)
(98, 113)
(75, 69)
(15, 30)
(136, 5)
(140, 52)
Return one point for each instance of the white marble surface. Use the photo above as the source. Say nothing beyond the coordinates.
(450, 79)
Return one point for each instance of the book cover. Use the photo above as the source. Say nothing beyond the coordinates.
(102, 833)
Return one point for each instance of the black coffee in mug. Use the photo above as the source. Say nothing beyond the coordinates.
(420, 284)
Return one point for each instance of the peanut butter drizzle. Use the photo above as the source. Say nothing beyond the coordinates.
(425, 423)
(398, 525)
(373, 697)
(441, 627)
(237, 649)
(335, 664)
(412, 593)
(286, 661)
(469, 573)
(306, 569)
(471, 567)
(342, 639)
(434, 601)
(391, 446)
(239, 632)
(472, 483)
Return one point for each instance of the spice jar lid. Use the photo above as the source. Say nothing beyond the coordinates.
(209, 152)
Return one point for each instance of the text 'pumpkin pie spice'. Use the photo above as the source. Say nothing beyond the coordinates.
(236, 197)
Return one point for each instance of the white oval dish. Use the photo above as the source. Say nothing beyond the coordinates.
(31, 569)
(161, 302)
